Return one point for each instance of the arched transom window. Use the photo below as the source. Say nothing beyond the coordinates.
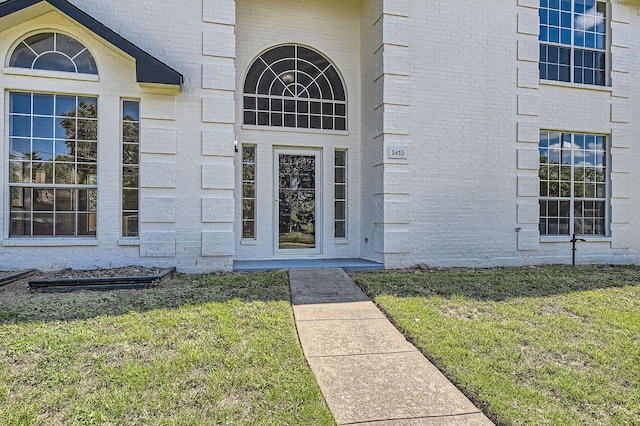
(54, 52)
(294, 86)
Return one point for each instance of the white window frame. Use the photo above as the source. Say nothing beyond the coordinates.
(345, 199)
(253, 164)
(572, 47)
(572, 199)
(91, 213)
(136, 166)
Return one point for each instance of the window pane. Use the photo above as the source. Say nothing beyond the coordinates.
(87, 107)
(87, 174)
(64, 174)
(248, 209)
(250, 118)
(85, 63)
(86, 224)
(20, 199)
(65, 200)
(130, 153)
(22, 57)
(20, 224)
(19, 172)
(340, 210)
(20, 103)
(20, 125)
(43, 172)
(43, 224)
(65, 224)
(87, 130)
(130, 199)
(43, 104)
(87, 152)
(65, 106)
(248, 190)
(248, 229)
(43, 127)
(129, 224)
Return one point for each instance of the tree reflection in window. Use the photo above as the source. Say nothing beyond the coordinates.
(130, 168)
(294, 86)
(54, 52)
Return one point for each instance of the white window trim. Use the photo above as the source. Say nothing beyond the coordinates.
(606, 237)
(243, 239)
(572, 47)
(58, 75)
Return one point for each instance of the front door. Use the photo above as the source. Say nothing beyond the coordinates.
(298, 201)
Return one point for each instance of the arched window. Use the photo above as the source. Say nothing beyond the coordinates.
(54, 52)
(293, 86)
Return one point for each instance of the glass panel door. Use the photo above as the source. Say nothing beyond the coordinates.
(297, 199)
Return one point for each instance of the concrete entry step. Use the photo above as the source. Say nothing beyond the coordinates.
(368, 372)
(271, 265)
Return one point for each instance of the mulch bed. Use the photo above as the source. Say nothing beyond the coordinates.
(130, 277)
(19, 289)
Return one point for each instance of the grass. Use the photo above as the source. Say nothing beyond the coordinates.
(201, 350)
(555, 345)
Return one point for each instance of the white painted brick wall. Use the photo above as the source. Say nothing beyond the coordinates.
(455, 81)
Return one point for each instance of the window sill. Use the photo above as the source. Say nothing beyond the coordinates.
(605, 89)
(341, 241)
(248, 242)
(49, 242)
(59, 75)
(567, 239)
(295, 130)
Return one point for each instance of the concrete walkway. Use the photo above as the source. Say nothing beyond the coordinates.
(368, 372)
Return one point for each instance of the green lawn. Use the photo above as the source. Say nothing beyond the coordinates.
(199, 350)
(533, 346)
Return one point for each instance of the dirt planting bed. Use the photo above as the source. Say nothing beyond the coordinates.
(23, 284)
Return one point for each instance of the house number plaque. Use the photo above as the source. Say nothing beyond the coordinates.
(401, 152)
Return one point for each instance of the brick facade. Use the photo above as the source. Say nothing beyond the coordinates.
(454, 85)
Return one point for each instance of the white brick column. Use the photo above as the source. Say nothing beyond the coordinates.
(158, 175)
(622, 135)
(218, 117)
(386, 118)
(528, 133)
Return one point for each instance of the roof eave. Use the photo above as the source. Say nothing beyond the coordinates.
(149, 69)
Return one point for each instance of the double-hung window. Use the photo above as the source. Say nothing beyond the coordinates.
(53, 146)
(573, 38)
(573, 183)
